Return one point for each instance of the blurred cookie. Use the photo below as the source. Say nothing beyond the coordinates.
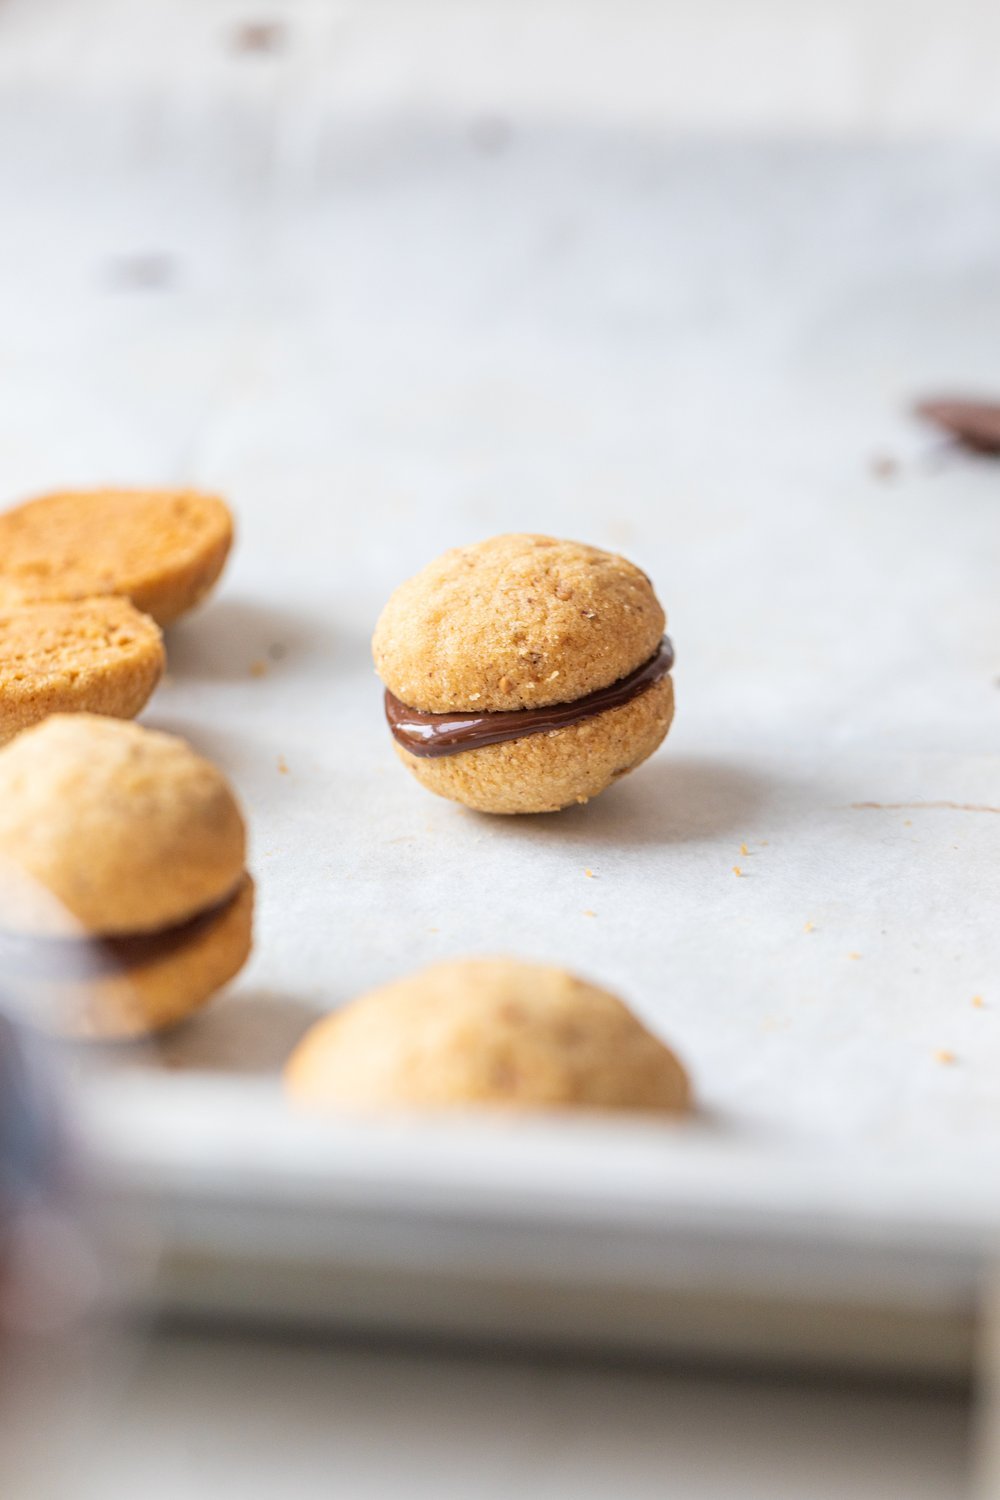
(124, 898)
(490, 1033)
(524, 674)
(974, 424)
(163, 549)
(96, 655)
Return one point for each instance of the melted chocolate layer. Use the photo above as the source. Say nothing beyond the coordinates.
(451, 733)
(29, 956)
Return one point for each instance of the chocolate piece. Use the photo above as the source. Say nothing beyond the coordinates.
(429, 734)
(32, 956)
(974, 424)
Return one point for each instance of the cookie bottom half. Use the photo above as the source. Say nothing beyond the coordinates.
(545, 772)
(119, 1000)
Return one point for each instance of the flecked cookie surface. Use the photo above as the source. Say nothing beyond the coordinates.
(546, 772)
(514, 622)
(95, 655)
(491, 1033)
(129, 830)
(163, 549)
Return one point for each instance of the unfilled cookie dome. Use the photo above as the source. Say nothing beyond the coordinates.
(96, 655)
(516, 622)
(163, 549)
(495, 1033)
(128, 829)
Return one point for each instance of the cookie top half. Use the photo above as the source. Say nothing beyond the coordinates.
(516, 622)
(101, 655)
(163, 549)
(488, 1032)
(118, 829)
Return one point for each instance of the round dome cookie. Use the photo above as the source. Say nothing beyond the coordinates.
(524, 674)
(94, 655)
(163, 549)
(124, 897)
(485, 1033)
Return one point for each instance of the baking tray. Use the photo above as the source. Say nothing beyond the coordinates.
(382, 332)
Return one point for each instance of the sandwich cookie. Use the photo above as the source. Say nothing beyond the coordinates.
(98, 656)
(163, 549)
(525, 674)
(124, 897)
(485, 1033)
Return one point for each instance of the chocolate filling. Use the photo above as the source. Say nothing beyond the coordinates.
(450, 733)
(33, 956)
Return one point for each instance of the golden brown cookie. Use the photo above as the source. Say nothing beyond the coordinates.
(132, 986)
(97, 656)
(125, 840)
(524, 674)
(163, 549)
(485, 1033)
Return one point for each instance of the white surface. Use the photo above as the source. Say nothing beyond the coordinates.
(272, 1420)
(388, 326)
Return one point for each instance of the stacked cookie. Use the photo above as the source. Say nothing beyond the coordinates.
(525, 674)
(123, 886)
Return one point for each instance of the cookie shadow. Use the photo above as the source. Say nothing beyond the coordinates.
(231, 639)
(244, 1032)
(673, 800)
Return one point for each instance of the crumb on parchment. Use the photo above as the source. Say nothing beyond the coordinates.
(744, 849)
(854, 955)
(945, 1056)
(978, 1002)
(258, 669)
(737, 870)
(590, 874)
(809, 927)
(283, 765)
(589, 913)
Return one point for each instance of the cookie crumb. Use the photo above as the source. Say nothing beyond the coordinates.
(884, 466)
(809, 927)
(944, 1056)
(589, 913)
(258, 36)
(854, 955)
(590, 874)
(283, 765)
(978, 1002)
(258, 669)
(744, 849)
(737, 870)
